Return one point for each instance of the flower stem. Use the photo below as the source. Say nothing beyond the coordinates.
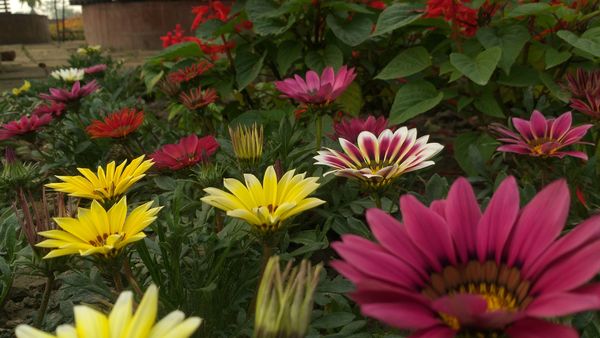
(377, 199)
(39, 319)
(267, 251)
(131, 278)
(319, 128)
(117, 280)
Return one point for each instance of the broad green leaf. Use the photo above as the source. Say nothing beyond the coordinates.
(553, 58)
(483, 143)
(396, 16)
(510, 39)
(529, 9)
(589, 41)
(408, 62)
(351, 100)
(330, 56)
(555, 89)
(487, 104)
(151, 79)
(287, 52)
(247, 67)
(272, 26)
(412, 99)
(180, 50)
(480, 68)
(351, 32)
(333, 320)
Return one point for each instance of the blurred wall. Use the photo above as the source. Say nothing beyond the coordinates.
(23, 28)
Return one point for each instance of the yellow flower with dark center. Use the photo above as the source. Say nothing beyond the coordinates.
(96, 231)
(247, 142)
(121, 322)
(266, 205)
(106, 184)
(24, 88)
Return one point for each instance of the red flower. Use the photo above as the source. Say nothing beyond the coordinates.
(188, 151)
(190, 72)
(99, 68)
(197, 98)
(376, 4)
(116, 125)
(54, 109)
(455, 11)
(24, 125)
(214, 9)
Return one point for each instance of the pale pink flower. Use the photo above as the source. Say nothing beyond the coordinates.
(99, 68)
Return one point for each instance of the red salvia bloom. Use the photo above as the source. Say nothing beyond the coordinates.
(54, 109)
(24, 125)
(197, 98)
(187, 152)
(455, 11)
(116, 125)
(214, 10)
(188, 73)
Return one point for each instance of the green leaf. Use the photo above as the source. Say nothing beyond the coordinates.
(553, 58)
(396, 16)
(412, 99)
(520, 76)
(346, 6)
(272, 26)
(351, 100)
(510, 39)
(151, 79)
(247, 67)
(589, 41)
(330, 56)
(333, 320)
(529, 9)
(408, 62)
(480, 69)
(483, 143)
(180, 50)
(487, 104)
(351, 32)
(556, 90)
(288, 52)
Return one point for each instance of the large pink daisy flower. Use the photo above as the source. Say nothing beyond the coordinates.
(450, 270)
(317, 90)
(74, 94)
(541, 137)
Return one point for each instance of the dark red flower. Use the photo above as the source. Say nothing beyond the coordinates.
(214, 10)
(24, 125)
(349, 129)
(190, 72)
(376, 4)
(54, 109)
(197, 98)
(187, 152)
(116, 125)
(455, 11)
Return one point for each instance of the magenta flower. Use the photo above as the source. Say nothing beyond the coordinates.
(541, 137)
(378, 160)
(585, 89)
(99, 68)
(317, 90)
(76, 92)
(349, 129)
(54, 109)
(24, 125)
(450, 270)
(187, 152)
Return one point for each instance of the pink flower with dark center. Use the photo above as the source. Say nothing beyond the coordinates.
(54, 109)
(349, 129)
(317, 90)
(541, 137)
(585, 88)
(24, 125)
(187, 152)
(377, 161)
(452, 271)
(76, 92)
(95, 69)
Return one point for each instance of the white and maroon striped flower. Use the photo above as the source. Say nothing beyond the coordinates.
(378, 160)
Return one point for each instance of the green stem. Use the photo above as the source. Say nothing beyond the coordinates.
(319, 127)
(117, 280)
(267, 252)
(45, 298)
(131, 278)
(377, 199)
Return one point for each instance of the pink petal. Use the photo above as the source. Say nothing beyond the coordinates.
(523, 127)
(561, 125)
(562, 304)
(407, 315)
(428, 231)
(439, 331)
(538, 124)
(312, 81)
(536, 328)
(462, 215)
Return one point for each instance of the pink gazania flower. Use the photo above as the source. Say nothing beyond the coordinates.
(53, 108)
(452, 271)
(378, 160)
(25, 125)
(76, 92)
(541, 137)
(95, 69)
(585, 89)
(317, 90)
(349, 129)
(187, 152)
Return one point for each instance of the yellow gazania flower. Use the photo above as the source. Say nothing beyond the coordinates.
(24, 88)
(247, 142)
(121, 322)
(265, 205)
(109, 184)
(97, 231)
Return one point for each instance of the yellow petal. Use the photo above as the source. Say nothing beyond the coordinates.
(120, 315)
(90, 323)
(144, 317)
